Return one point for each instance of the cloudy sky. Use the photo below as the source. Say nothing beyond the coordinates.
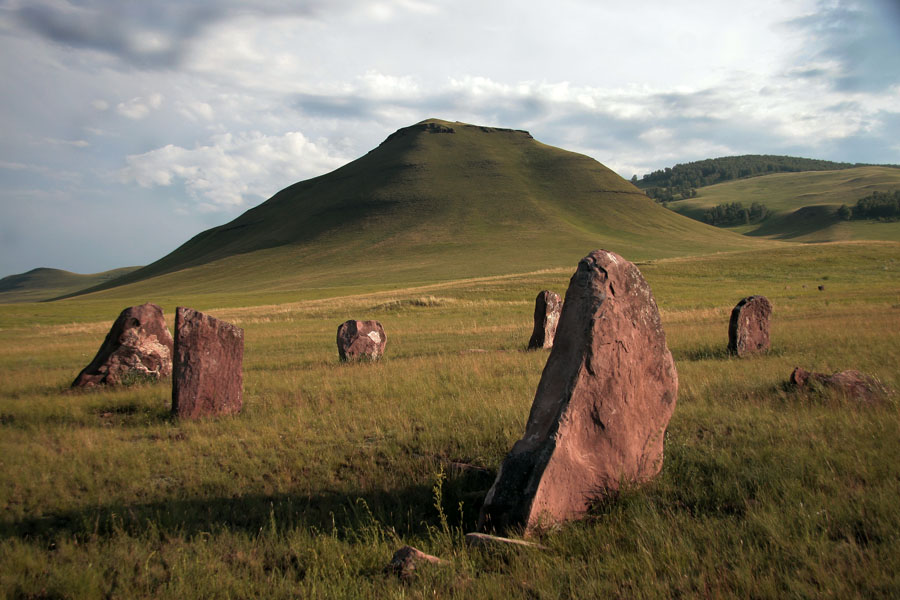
(129, 126)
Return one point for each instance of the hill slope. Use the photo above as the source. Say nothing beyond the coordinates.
(43, 283)
(435, 201)
(681, 181)
(803, 206)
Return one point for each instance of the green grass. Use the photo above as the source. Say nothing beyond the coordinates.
(803, 205)
(331, 467)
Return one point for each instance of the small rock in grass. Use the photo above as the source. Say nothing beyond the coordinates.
(547, 307)
(852, 383)
(208, 371)
(138, 346)
(748, 329)
(358, 340)
(407, 558)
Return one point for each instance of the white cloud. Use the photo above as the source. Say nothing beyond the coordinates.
(140, 107)
(231, 171)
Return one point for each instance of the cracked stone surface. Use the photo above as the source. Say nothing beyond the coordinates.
(602, 405)
(138, 346)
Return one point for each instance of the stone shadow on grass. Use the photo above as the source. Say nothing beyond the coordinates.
(406, 511)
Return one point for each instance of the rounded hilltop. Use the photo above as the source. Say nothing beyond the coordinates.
(437, 200)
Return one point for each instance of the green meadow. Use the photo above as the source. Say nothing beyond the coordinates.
(332, 467)
(803, 205)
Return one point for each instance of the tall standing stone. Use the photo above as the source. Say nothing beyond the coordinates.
(748, 329)
(138, 345)
(601, 408)
(357, 340)
(547, 308)
(208, 368)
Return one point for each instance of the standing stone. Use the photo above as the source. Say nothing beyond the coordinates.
(601, 408)
(547, 307)
(748, 330)
(207, 376)
(357, 340)
(138, 345)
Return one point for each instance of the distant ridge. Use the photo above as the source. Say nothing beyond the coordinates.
(682, 180)
(44, 283)
(434, 201)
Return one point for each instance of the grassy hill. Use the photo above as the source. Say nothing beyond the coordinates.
(436, 201)
(43, 283)
(682, 180)
(802, 205)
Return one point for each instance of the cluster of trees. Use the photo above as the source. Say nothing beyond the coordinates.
(734, 213)
(879, 205)
(682, 180)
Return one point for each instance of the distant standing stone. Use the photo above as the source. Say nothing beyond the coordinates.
(852, 383)
(138, 344)
(601, 408)
(547, 308)
(748, 330)
(208, 370)
(357, 340)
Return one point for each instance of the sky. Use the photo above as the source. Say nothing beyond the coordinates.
(130, 126)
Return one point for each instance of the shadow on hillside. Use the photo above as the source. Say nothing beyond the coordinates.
(407, 511)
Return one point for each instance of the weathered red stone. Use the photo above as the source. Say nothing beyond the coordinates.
(207, 375)
(138, 345)
(851, 383)
(357, 340)
(601, 408)
(547, 308)
(748, 329)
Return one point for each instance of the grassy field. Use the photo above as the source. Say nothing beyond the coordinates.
(42, 283)
(332, 467)
(803, 204)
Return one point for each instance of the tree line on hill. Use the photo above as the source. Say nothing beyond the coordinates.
(734, 213)
(682, 180)
(883, 206)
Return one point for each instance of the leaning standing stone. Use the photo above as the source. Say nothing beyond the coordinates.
(357, 340)
(138, 345)
(547, 308)
(601, 408)
(748, 330)
(207, 376)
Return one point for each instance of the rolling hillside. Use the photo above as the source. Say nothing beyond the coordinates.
(435, 201)
(802, 205)
(43, 283)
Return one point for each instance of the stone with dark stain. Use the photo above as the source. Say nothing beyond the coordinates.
(208, 368)
(748, 329)
(360, 340)
(137, 347)
(601, 408)
(547, 308)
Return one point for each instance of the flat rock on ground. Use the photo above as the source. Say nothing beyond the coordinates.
(851, 383)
